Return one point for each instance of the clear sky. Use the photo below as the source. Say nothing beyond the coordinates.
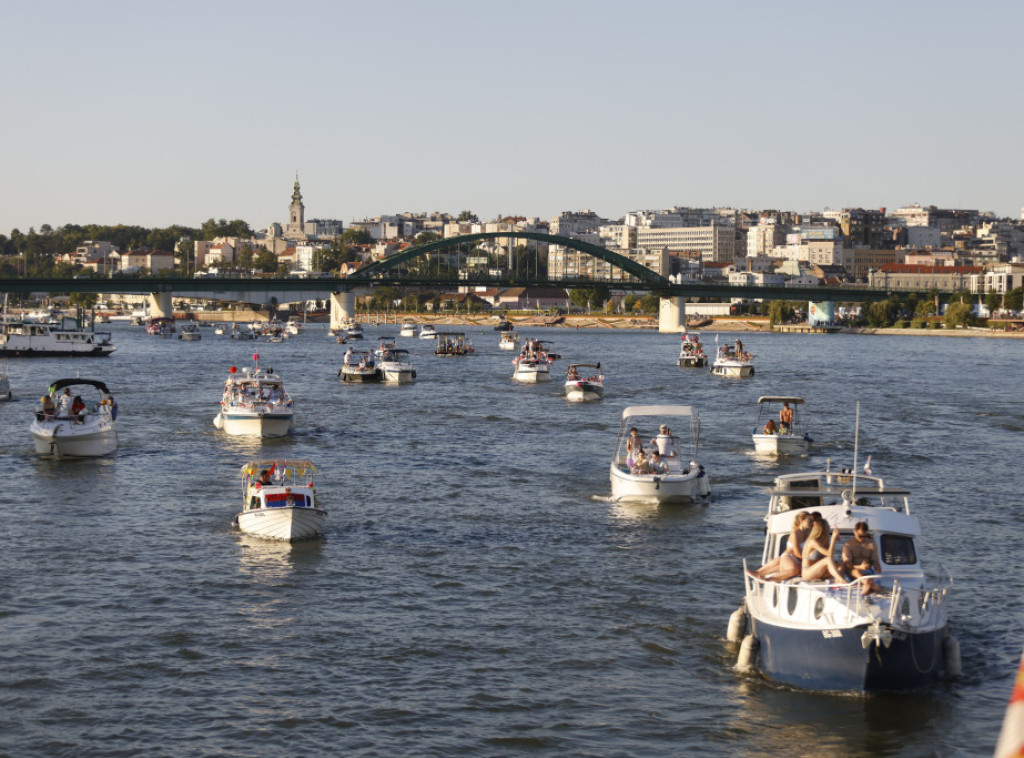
(160, 113)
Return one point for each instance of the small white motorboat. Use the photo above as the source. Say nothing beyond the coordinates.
(255, 403)
(533, 364)
(219, 329)
(353, 330)
(243, 332)
(360, 366)
(691, 351)
(279, 501)
(428, 332)
(823, 634)
(584, 386)
(294, 328)
(508, 341)
(67, 426)
(395, 367)
(190, 332)
(785, 437)
(408, 329)
(678, 478)
(385, 344)
(453, 343)
(733, 362)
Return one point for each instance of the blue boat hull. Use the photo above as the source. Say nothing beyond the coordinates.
(809, 659)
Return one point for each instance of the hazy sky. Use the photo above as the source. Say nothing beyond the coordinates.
(156, 113)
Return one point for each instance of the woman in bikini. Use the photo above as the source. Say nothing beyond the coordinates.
(818, 562)
(790, 563)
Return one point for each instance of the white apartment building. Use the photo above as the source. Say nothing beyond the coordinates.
(573, 224)
(999, 278)
(765, 237)
(567, 263)
(715, 243)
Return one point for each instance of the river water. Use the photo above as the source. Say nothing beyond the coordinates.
(476, 592)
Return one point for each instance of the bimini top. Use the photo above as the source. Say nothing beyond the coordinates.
(658, 410)
(780, 399)
(62, 383)
(584, 365)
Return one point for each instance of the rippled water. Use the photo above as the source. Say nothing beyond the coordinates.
(476, 592)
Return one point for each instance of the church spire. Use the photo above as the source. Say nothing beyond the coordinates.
(296, 195)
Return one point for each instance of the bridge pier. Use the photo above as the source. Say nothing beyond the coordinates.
(161, 305)
(343, 307)
(672, 314)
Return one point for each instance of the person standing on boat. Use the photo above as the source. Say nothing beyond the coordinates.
(786, 418)
(860, 559)
(633, 446)
(64, 404)
(49, 409)
(348, 357)
(665, 442)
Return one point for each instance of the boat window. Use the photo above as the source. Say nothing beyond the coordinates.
(254, 502)
(819, 607)
(898, 550)
(791, 600)
(792, 502)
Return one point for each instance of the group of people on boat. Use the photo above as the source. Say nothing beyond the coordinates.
(365, 361)
(66, 407)
(785, 425)
(574, 375)
(736, 352)
(808, 557)
(654, 461)
(533, 351)
(253, 393)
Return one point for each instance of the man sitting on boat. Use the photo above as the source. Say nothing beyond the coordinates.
(657, 465)
(860, 559)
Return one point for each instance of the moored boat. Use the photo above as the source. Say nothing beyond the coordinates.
(670, 477)
(66, 338)
(279, 501)
(733, 362)
(691, 351)
(581, 387)
(508, 341)
(68, 426)
(428, 332)
(408, 329)
(885, 629)
(788, 436)
(255, 403)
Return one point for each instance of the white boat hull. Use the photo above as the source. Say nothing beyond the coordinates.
(732, 370)
(780, 444)
(659, 488)
(283, 523)
(508, 345)
(63, 439)
(403, 375)
(583, 392)
(255, 425)
(532, 374)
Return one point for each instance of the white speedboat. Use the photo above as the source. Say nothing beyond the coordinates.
(243, 332)
(782, 437)
(453, 343)
(386, 344)
(508, 341)
(219, 329)
(533, 364)
(408, 329)
(733, 362)
(395, 367)
(824, 635)
(428, 332)
(279, 501)
(360, 366)
(583, 386)
(353, 330)
(5, 381)
(190, 333)
(161, 326)
(76, 427)
(255, 403)
(691, 351)
(66, 338)
(294, 328)
(681, 479)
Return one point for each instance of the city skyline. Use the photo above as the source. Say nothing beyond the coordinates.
(171, 115)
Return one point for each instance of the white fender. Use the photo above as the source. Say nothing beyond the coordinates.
(748, 652)
(951, 654)
(737, 624)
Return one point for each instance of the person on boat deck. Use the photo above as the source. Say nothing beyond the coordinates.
(860, 559)
(64, 404)
(275, 395)
(633, 446)
(665, 442)
(49, 409)
(264, 480)
(817, 560)
(770, 427)
(656, 464)
(790, 563)
(640, 464)
(348, 357)
(573, 373)
(77, 405)
(786, 418)
(739, 347)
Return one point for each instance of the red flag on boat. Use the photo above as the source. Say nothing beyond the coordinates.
(273, 468)
(232, 370)
(255, 356)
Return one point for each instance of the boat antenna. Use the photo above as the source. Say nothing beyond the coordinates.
(856, 444)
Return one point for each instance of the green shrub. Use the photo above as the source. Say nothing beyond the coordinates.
(935, 325)
(918, 323)
(901, 324)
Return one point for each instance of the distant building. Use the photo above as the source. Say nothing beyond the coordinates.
(902, 276)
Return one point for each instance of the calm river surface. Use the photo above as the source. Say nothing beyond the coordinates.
(476, 593)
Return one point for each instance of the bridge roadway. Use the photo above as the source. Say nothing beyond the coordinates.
(278, 291)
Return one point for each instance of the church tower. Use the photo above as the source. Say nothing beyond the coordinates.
(296, 213)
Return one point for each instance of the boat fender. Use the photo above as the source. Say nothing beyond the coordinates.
(737, 624)
(951, 655)
(748, 652)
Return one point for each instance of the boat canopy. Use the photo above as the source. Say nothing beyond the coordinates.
(299, 468)
(584, 365)
(780, 399)
(658, 410)
(62, 383)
